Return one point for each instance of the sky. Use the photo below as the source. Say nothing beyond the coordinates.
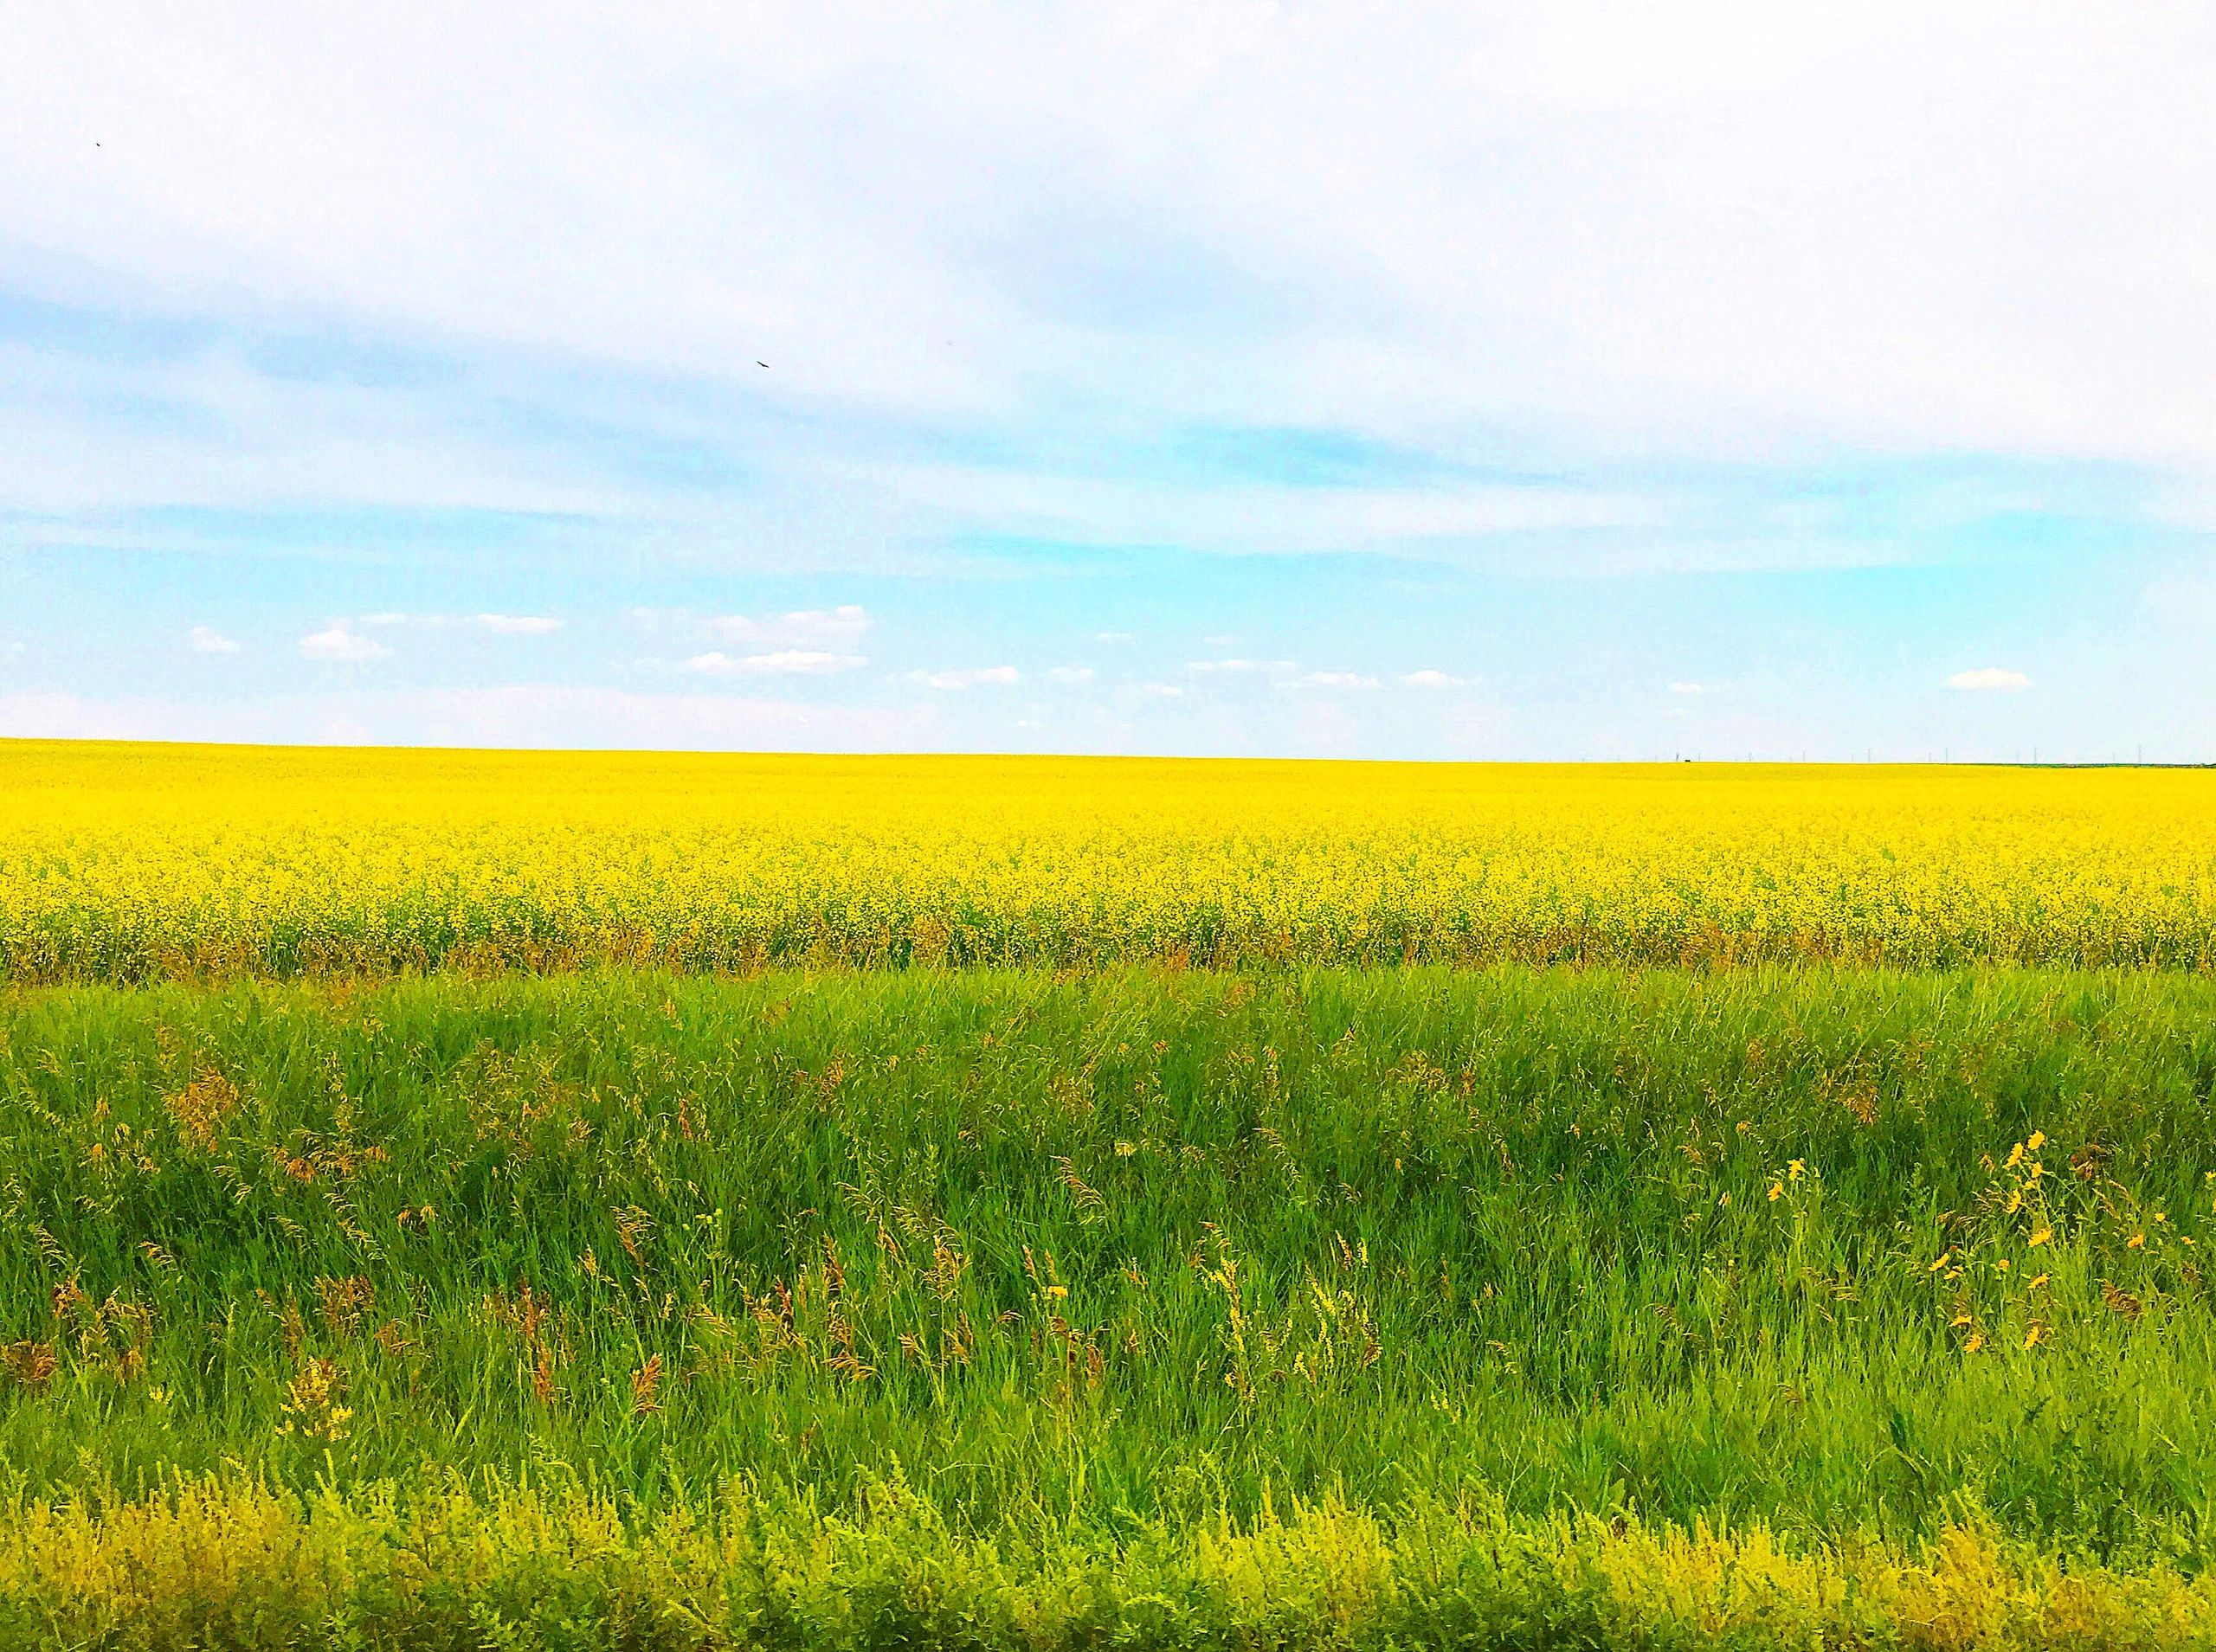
(1566, 381)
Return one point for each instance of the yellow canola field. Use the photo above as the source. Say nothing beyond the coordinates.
(124, 862)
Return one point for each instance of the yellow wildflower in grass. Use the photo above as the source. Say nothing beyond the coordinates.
(312, 1405)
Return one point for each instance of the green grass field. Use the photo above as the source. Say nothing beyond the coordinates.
(1093, 1267)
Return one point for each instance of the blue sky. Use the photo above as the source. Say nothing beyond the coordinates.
(1570, 381)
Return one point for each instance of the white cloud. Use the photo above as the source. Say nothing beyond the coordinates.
(339, 642)
(206, 639)
(990, 676)
(1341, 679)
(1692, 690)
(1070, 674)
(812, 627)
(385, 618)
(1867, 218)
(519, 625)
(782, 662)
(1114, 638)
(1238, 667)
(1989, 678)
(1241, 517)
(1161, 691)
(1428, 678)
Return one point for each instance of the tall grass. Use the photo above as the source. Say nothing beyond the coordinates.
(1856, 1257)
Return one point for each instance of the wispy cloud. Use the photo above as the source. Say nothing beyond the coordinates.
(819, 627)
(1238, 667)
(779, 662)
(519, 625)
(1429, 678)
(1988, 679)
(1543, 156)
(1340, 679)
(1692, 690)
(1070, 674)
(986, 676)
(339, 641)
(206, 639)
(505, 625)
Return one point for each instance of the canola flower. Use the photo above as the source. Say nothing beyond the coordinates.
(121, 862)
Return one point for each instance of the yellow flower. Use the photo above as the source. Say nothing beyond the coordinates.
(246, 861)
